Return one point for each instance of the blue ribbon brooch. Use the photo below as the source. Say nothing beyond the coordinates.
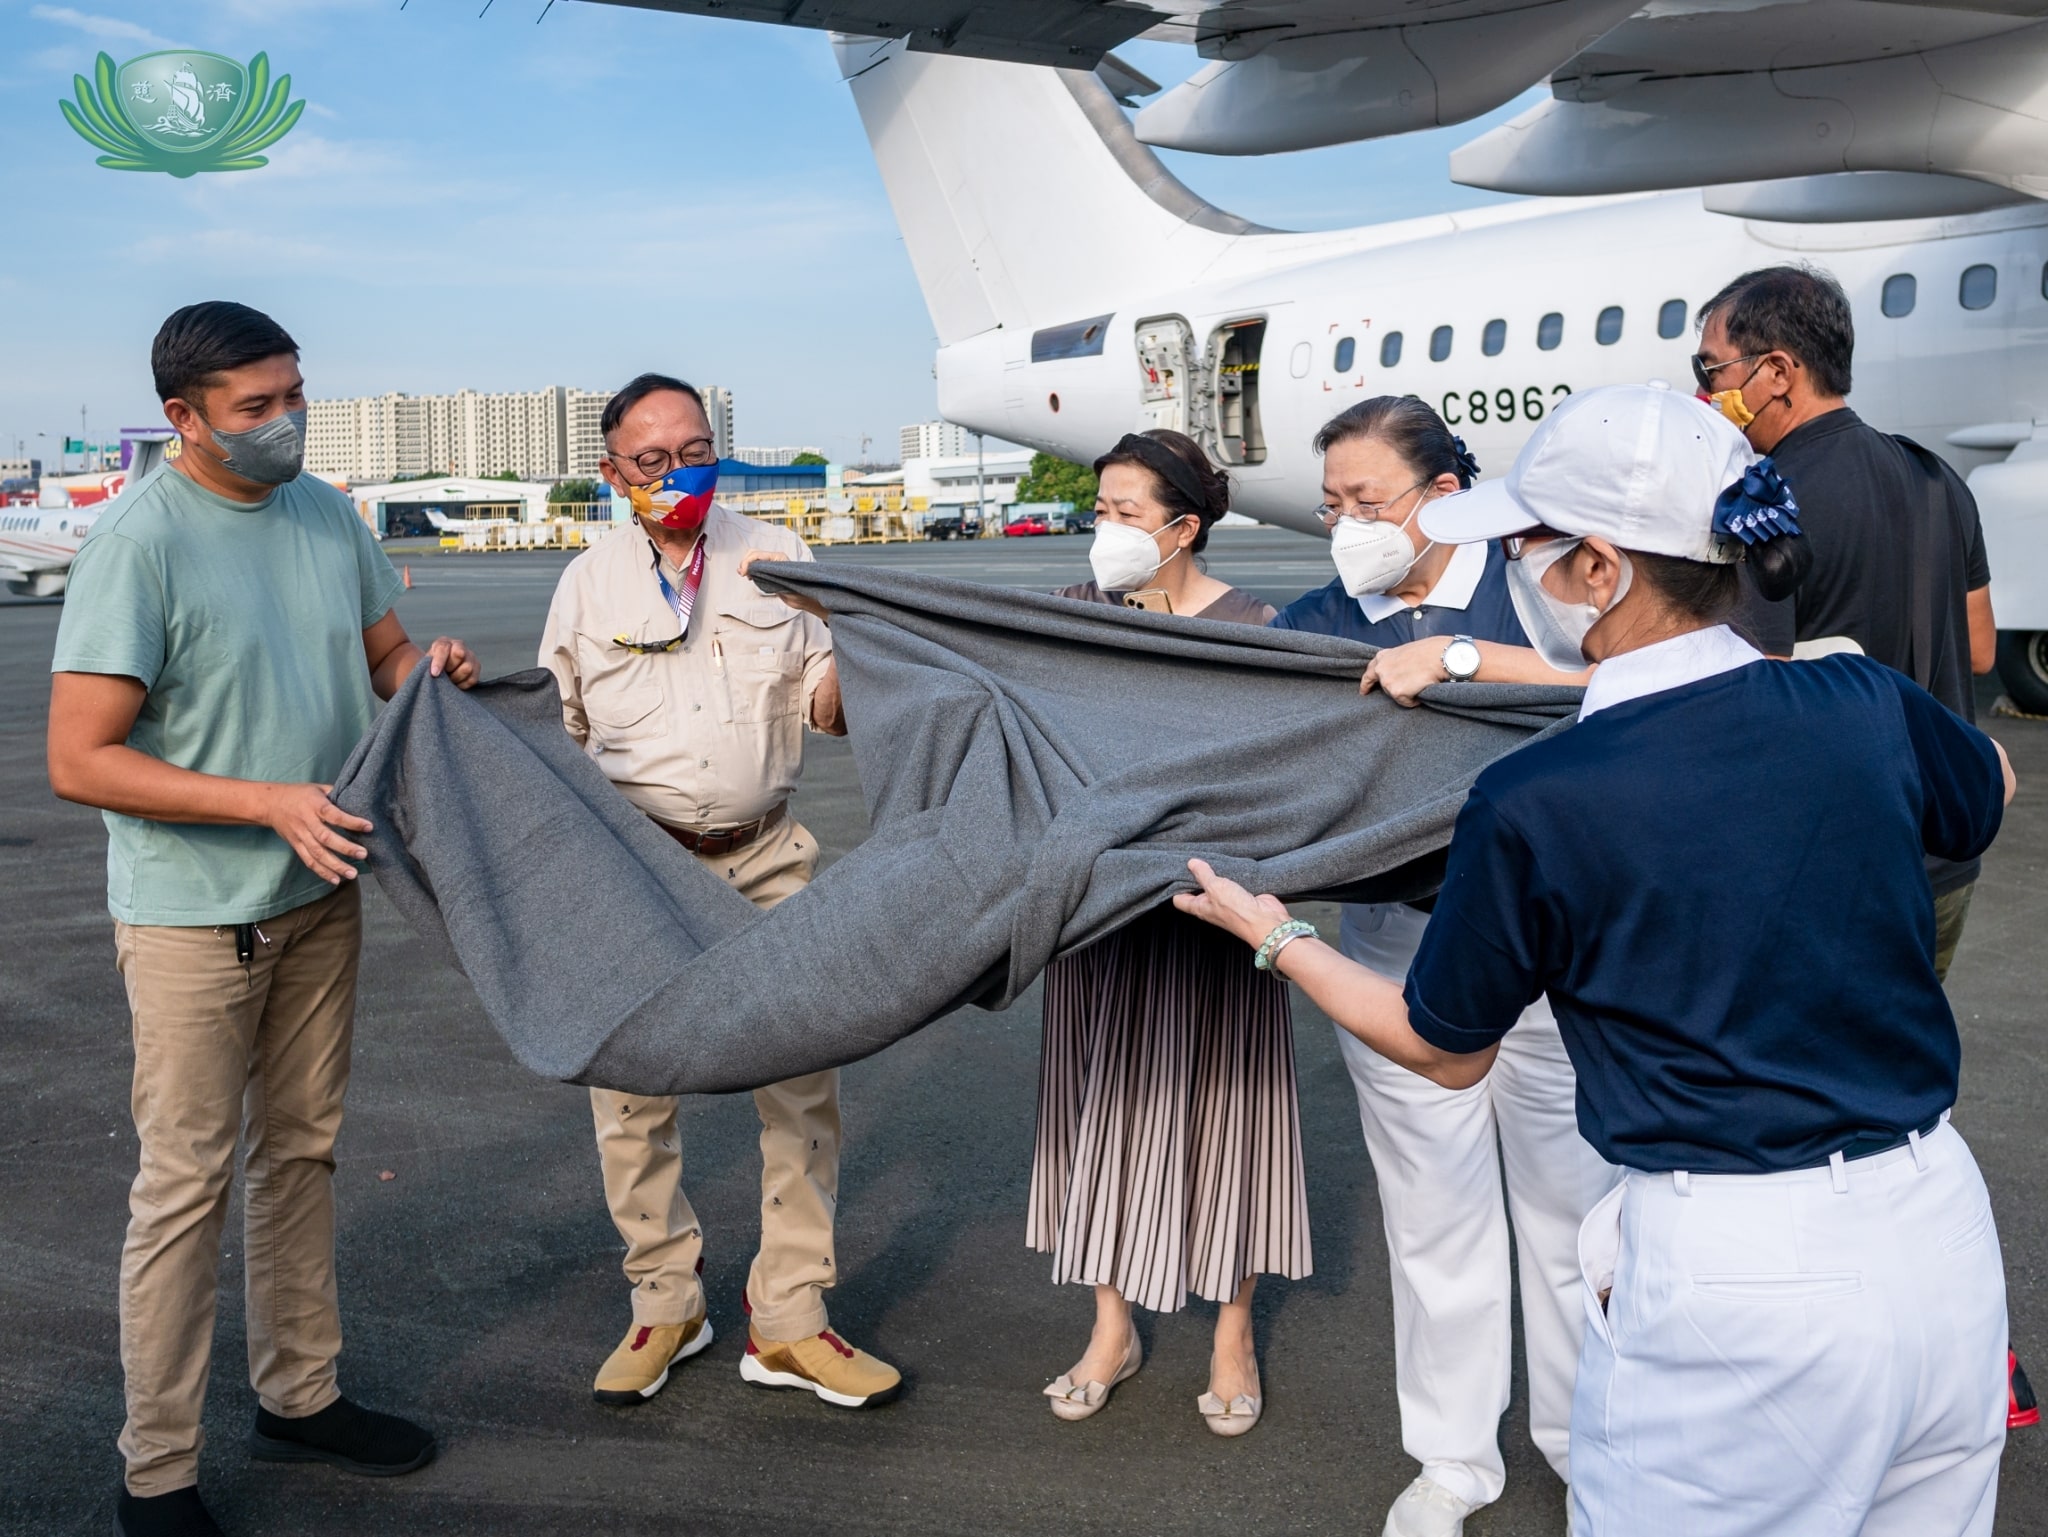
(1468, 466)
(1757, 508)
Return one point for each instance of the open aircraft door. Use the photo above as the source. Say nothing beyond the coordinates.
(1166, 373)
(1229, 422)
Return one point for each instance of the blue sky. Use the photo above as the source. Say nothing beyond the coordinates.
(491, 203)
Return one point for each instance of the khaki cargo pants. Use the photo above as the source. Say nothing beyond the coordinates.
(640, 1150)
(223, 1048)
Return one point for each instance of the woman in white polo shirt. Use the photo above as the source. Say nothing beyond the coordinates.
(1795, 1308)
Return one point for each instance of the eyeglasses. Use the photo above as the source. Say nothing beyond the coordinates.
(1703, 372)
(1515, 546)
(657, 462)
(1364, 512)
(646, 647)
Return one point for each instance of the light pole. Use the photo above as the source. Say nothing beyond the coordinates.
(980, 498)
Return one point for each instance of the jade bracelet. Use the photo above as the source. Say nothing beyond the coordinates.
(1279, 939)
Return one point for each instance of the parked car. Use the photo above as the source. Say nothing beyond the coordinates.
(953, 526)
(1081, 521)
(1030, 523)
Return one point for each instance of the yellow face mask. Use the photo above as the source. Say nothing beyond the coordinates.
(1731, 405)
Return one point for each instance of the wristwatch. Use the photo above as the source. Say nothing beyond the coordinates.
(1461, 659)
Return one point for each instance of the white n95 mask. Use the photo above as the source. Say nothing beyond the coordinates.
(1373, 556)
(1556, 629)
(1124, 557)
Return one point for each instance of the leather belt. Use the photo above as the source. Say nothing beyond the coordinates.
(712, 843)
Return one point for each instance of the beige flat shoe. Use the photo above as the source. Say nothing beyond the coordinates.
(1076, 1401)
(1233, 1418)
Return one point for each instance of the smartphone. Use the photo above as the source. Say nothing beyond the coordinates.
(1152, 600)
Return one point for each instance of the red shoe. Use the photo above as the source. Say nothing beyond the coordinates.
(2021, 1407)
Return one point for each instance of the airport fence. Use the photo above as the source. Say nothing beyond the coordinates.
(883, 516)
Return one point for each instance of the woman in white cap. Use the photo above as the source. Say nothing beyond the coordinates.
(1795, 1308)
(1444, 613)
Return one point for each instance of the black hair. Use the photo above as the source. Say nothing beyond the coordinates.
(1703, 590)
(638, 390)
(202, 341)
(1800, 310)
(1174, 489)
(1406, 424)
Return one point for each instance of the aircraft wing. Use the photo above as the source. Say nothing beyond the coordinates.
(1842, 108)
(1073, 34)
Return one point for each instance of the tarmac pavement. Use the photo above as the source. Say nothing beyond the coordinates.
(480, 1285)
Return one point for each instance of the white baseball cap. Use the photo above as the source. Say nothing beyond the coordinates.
(1641, 467)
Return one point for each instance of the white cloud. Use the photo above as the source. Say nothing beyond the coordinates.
(108, 28)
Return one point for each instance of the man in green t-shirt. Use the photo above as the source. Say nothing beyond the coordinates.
(227, 623)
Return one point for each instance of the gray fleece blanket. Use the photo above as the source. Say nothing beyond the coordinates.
(1037, 771)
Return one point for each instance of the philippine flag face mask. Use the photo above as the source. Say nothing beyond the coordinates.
(681, 499)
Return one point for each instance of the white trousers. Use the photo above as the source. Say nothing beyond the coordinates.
(1437, 1155)
(1816, 1354)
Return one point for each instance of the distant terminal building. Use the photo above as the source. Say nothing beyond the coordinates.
(934, 440)
(538, 435)
(773, 457)
(959, 482)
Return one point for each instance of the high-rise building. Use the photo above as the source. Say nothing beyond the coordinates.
(549, 434)
(718, 406)
(935, 440)
(773, 458)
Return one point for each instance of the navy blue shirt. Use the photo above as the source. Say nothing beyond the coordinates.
(1489, 616)
(1720, 888)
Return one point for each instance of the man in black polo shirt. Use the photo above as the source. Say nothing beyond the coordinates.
(1898, 553)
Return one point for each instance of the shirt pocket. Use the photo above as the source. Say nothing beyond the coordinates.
(621, 690)
(763, 644)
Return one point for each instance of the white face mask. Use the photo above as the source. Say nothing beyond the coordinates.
(1556, 629)
(1373, 557)
(1124, 557)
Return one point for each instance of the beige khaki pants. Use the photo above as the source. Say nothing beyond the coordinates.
(641, 1153)
(222, 1048)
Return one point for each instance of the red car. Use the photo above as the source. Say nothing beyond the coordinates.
(1030, 523)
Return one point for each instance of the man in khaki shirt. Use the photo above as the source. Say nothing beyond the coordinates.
(693, 698)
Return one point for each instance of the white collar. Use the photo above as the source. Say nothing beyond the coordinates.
(1669, 664)
(1453, 589)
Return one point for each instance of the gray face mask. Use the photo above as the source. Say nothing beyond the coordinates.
(270, 454)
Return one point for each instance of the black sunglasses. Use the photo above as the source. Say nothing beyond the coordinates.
(1703, 371)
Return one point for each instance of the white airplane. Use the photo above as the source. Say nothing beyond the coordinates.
(1895, 145)
(38, 544)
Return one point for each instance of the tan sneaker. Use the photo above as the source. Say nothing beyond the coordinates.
(823, 1364)
(638, 1369)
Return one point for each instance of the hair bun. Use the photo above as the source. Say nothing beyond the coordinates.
(1760, 513)
(1468, 467)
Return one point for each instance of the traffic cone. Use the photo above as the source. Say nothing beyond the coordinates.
(408, 578)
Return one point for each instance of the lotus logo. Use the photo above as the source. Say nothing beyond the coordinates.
(182, 112)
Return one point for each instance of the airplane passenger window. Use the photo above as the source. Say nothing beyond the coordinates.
(1550, 331)
(1439, 344)
(1900, 292)
(1979, 287)
(1607, 329)
(1390, 349)
(1347, 349)
(1495, 336)
(1670, 318)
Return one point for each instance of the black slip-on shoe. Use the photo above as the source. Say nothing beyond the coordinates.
(177, 1514)
(344, 1435)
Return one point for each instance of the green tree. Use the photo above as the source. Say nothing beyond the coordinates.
(1053, 479)
(502, 475)
(810, 458)
(573, 491)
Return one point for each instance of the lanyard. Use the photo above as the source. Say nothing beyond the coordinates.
(685, 602)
